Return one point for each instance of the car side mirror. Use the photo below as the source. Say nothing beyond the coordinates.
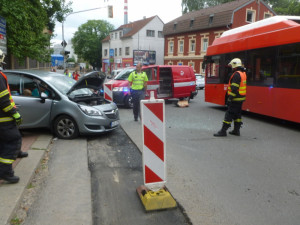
(43, 97)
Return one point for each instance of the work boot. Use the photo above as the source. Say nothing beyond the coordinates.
(22, 154)
(10, 178)
(7, 173)
(236, 129)
(222, 132)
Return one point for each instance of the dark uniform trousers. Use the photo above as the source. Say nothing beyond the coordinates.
(10, 145)
(137, 96)
(234, 112)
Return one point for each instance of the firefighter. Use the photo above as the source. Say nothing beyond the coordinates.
(10, 137)
(138, 86)
(236, 96)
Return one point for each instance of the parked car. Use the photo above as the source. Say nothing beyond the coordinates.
(67, 107)
(200, 82)
(114, 73)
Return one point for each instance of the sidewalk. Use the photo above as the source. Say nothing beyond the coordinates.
(11, 194)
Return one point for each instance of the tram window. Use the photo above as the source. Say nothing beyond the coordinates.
(289, 66)
(261, 67)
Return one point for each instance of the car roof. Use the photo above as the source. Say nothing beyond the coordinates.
(37, 73)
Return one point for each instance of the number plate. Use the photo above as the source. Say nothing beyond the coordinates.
(114, 123)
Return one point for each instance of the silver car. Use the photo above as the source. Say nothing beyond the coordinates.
(200, 82)
(67, 107)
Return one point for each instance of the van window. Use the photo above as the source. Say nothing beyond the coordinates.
(148, 71)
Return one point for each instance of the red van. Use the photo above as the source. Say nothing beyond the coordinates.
(167, 82)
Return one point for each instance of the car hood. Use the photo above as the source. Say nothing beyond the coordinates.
(93, 80)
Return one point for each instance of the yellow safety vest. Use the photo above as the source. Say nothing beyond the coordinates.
(138, 80)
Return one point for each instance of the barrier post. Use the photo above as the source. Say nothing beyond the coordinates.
(108, 93)
(153, 194)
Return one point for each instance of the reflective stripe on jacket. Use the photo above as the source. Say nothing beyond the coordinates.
(7, 104)
(241, 95)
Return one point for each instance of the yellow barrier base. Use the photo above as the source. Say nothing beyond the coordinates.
(156, 200)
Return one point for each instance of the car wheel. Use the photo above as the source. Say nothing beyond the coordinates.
(65, 127)
(128, 101)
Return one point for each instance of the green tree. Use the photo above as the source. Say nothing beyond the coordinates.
(87, 41)
(27, 26)
(56, 10)
(193, 5)
(285, 7)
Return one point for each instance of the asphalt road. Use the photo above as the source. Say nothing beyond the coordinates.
(115, 164)
(248, 180)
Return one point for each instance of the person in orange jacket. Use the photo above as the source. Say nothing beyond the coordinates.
(10, 136)
(236, 96)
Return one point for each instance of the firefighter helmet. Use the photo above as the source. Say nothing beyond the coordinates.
(235, 63)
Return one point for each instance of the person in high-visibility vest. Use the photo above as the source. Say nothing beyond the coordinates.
(67, 73)
(138, 86)
(236, 96)
(10, 137)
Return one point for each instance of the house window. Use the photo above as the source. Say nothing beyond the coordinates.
(191, 22)
(210, 20)
(105, 52)
(120, 51)
(204, 44)
(267, 15)
(175, 25)
(116, 53)
(171, 47)
(120, 34)
(160, 34)
(250, 17)
(150, 33)
(116, 35)
(192, 45)
(127, 49)
(180, 46)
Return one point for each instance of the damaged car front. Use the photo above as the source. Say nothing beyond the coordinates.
(67, 107)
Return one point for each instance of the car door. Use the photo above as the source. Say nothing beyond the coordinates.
(25, 91)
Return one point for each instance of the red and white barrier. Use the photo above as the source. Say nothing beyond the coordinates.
(154, 143)
(108, 93)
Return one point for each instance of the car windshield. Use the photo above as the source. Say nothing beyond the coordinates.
(124, 74)
(199, 77)
(64, 84)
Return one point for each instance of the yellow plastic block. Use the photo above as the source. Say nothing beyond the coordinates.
(156, 200)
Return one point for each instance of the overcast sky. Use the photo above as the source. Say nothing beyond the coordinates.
(167, 10)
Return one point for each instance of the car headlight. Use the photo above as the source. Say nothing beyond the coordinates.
(91, 111)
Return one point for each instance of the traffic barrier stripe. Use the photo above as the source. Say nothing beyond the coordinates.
(153, 143)
(108, 94)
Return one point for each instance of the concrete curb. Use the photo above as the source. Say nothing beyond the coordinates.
(11, 194)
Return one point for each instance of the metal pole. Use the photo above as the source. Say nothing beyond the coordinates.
(63, 43)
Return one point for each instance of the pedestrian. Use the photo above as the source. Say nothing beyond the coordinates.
(10, 136)
(67, 73)
(76, 75)
(236, 96)
(138, 86)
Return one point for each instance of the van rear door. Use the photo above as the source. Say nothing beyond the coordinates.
(183, 80)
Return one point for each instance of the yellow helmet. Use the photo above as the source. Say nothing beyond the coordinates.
(235, 63)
